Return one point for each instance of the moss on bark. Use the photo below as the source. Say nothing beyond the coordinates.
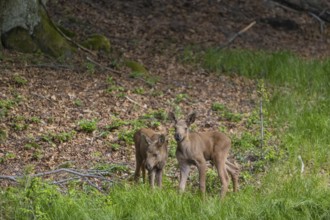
(97, 42)
(49, 39)
(20, 40)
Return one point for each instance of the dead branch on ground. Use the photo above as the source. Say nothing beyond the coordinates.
(104, 67)
(85, 176)
(232, 38)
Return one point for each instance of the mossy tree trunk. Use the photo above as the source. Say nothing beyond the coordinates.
(26, 27)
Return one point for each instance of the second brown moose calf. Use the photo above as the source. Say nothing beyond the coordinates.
(151, 154)
(195, 148)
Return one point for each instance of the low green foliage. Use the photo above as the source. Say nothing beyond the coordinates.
(19, 80)
(87, 125)
(90, 67)
(3, 135)
(225, 113)
(5, 105)
(7, 156)
(19, 123)
(60, 137)
(78, 102)
(113, 87)
(139, 90)
(181, 97)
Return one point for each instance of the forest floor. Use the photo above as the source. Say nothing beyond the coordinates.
(43, 100)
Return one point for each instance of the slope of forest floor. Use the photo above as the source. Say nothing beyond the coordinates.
(44, 102)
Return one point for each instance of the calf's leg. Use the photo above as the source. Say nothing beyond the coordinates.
(184, 172)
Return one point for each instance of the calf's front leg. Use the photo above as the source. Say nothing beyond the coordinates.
(159, 174)
(151, 175)
(202, 175)
(184, 173)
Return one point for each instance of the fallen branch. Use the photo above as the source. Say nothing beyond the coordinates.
(131, 100)
(237, 34)
(51, 66)
(104, 67)
(11, 178)
(322, 23)
(79, 175)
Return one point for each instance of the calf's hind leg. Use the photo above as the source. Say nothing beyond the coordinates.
(222, 172)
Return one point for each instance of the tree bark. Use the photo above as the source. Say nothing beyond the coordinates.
(26, 27)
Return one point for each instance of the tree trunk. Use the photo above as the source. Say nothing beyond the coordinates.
(26, 27)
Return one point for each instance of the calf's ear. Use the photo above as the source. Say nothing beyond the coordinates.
(147, 139)
(172, 117)
(191, 118)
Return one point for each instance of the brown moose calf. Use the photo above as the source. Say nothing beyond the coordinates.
(151, 154)
(195, 148)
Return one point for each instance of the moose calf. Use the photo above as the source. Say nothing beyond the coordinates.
(151, 154)
(195, 148)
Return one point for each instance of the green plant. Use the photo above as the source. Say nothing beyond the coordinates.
(7, 156)
(5, 105)
(115, 124)
(64, 136)
(31, 145)
(115, 88)
(56, 138)
(19, 80)
(126, 136)
(3, 135)
(181, 97)
(90, 67)
(115, 146)
(35, 119)
(87, 125)
(152, 80)
(19, 123)
(78, 102)
(139, 90)
(37, 154)
(218, 107)
(223, 111)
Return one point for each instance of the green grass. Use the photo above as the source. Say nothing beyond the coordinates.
(299, 104)
(296, 198)
(300, 100)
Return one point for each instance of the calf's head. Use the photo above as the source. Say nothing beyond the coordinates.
(182, 126)
(156, 151)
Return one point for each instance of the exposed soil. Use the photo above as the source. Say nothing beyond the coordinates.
(56, 97)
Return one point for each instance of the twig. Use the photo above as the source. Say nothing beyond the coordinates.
(92, 184)
(238, 34)
(283, 6)
(64, 180)
(71, 172)
(131, 100)
(105, 67)
(322, 23)
(11, 178)
(52, 66)
(261, 124)
(302, 164)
